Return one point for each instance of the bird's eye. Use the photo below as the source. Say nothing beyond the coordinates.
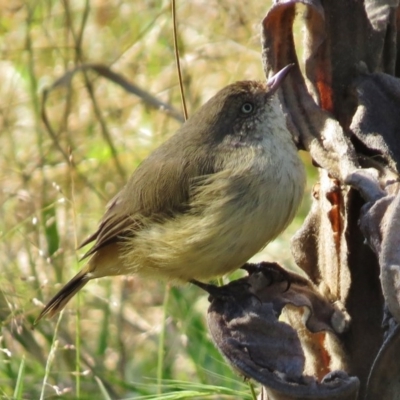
(247, 108)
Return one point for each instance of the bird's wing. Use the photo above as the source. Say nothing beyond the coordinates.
(159, 187)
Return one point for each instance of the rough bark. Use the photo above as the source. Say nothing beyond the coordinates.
(343, 106)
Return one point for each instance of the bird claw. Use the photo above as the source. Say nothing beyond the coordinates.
(216, 292)
(271, 270)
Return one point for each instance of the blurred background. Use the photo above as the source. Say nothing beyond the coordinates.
(122, 337)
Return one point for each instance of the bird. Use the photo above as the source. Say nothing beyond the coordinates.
(228, 182)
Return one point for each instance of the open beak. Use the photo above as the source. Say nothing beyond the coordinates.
(276, 80)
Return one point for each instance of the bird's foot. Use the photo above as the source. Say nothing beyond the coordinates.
(271, 270)
(213, 290)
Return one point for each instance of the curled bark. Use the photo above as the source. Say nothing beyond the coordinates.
(342, 106)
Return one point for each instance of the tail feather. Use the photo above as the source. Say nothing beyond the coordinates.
(59, 301)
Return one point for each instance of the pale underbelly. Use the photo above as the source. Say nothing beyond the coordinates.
(201, 248)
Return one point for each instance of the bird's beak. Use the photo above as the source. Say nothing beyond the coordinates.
(276, 80)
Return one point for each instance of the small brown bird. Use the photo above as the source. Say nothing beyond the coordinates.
(209, 198)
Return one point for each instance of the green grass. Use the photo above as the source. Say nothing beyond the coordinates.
(125, 337)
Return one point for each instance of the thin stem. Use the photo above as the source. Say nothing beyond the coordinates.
(161, 342)
(78, 348)
(78, 300)
(50, 358)
(252, 391)
(178, 64)
(79, 58)
(33, 87)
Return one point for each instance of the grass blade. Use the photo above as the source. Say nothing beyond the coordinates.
(19, 387)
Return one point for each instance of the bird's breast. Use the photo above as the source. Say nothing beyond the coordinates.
(232, 215)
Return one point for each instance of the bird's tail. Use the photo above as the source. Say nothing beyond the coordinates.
(59, 301)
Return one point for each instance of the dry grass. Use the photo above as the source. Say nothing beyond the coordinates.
(54, 190)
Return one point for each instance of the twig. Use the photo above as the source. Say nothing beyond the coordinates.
(178, 64)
